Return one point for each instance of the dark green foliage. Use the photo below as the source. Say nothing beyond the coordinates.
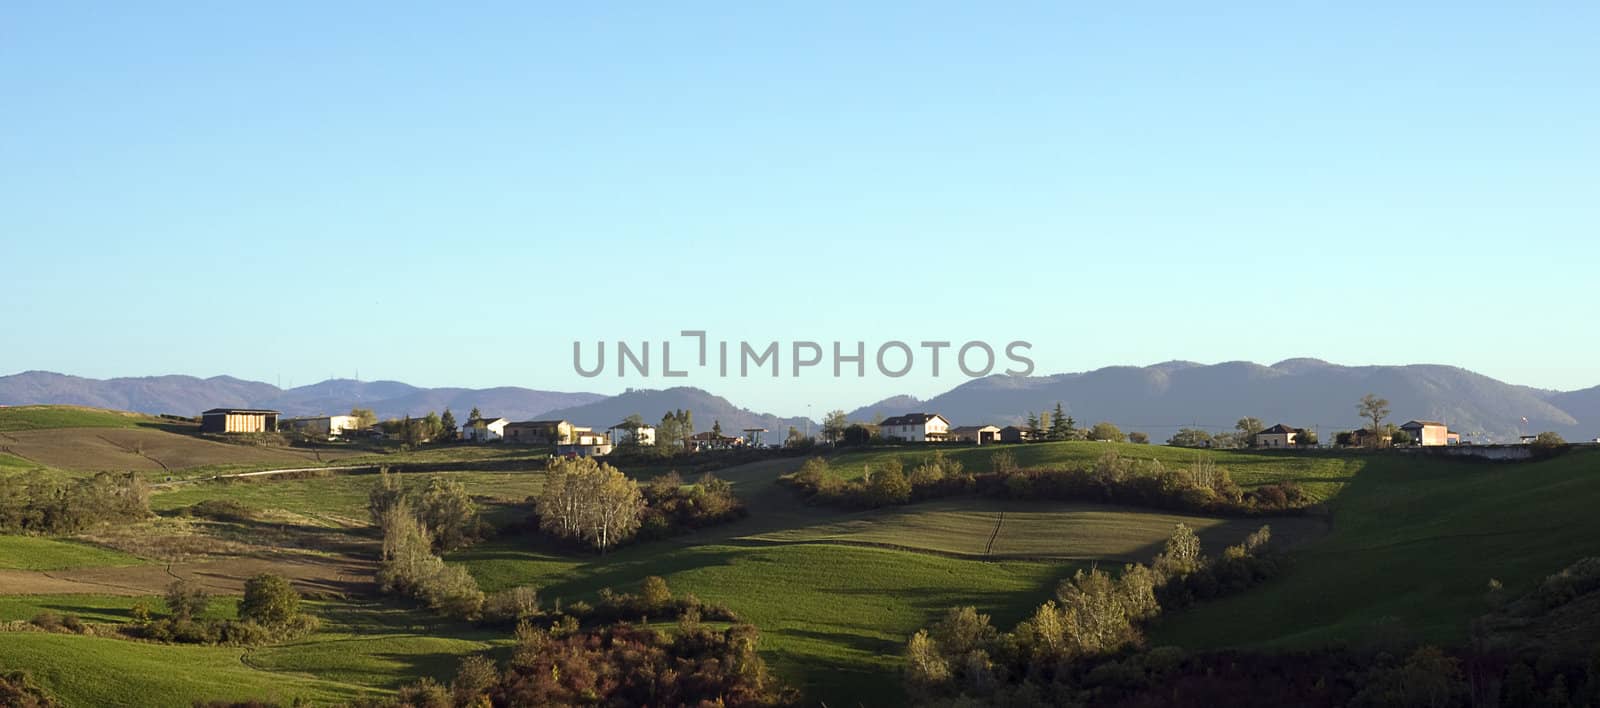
(673, 507)
(1113, 479)
(269, 612)
(269, 600)
(220, 510)
(40, 503)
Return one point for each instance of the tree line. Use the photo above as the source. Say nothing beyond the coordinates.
(963, 659)
(1112, 479)
(38, 502)
(418, 526)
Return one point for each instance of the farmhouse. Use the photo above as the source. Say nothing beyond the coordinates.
(1428, 433)
(584, 442)
(484, 429)
(1277, 436)
(623, 432)
(711, 441)
(539, 432)
(915, 427)
(980, 434)
(238, 420)
(325, 426)
(1015, 434)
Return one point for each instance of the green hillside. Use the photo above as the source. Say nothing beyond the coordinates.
(13, 418)
(34, 553)
(1412, 550)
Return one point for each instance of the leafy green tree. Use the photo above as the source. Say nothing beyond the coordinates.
(448, 430)
(1033, 426)
(187, 599)
(1374, 409)
(449, 514)
(365, 418)
(1139, 438)
(473, 417)
(890, 486)
(1549, 440)
(1058, 424)
(269, 600)
(1190, 437)
(833, 425)
(1107, 431)
(716, 428)
(1248, 427)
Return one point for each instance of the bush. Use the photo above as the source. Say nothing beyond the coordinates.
(220, 510)
(512, 606)
(269, 600)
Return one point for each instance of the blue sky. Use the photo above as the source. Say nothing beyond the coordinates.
(289, 191)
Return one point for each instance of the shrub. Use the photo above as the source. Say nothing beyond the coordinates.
(269, 600)
(17, 690)
(512, 605)
(187, 599)
(220, 510)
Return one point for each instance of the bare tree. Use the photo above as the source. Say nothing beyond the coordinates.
(1374, 409)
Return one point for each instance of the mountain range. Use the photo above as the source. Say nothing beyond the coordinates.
(1155, 399)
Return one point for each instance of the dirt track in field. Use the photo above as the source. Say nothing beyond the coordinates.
(312, 575)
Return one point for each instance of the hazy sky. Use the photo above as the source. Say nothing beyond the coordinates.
(291, 191)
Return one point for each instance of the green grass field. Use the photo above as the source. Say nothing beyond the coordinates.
(46, 417)
(1412, 550)
(34, 553)
(341, 499)
(836, 593)
(12, 463)
(1320, 472)
(833, 618)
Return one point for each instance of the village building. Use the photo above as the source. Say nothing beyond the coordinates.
(239, 420)
(1015, 434)
(1277, 436)
(711, 441)
(915, 427)
(484, 430)
(625, 434)
(538, 432)
(1428, 433)
(980, 434)
(326, 427)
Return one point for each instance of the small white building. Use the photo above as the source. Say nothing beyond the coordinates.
(915, 427)
(1277, 437)
(622, 434)
(327, 427)
(484, 430)
(585, 443)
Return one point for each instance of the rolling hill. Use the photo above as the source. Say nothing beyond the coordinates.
(1161, 398)
(650, 404)
(188, 395)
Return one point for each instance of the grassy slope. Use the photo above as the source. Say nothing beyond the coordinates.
(94, 671)
(343, 498)
(833, 618)
(1321, 473)
(1413, 548)
(45, 417)
(34, 553)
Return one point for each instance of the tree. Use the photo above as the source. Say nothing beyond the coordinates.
(473, 417)
(269, 600)
(1033, 426)
(1058, 425)
(365, 418)
(1107, 431)
(796, 438)
(449, 514)
(1190, 437)
(670, 432)
(447, 425)
(1305, 437)
(1374, 409)
(186, 599)
(1139, 438)
(590, 500)
(431, 427)
(856, 434)
(833, 425)
(716, 429)
(1549, 440)
(1248, 427)
(890, 486)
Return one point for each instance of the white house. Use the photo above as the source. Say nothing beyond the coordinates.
(585, 443)
(916, 427)
(1277, 436)
(326, 426)
(484, 430)
(623, 433)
